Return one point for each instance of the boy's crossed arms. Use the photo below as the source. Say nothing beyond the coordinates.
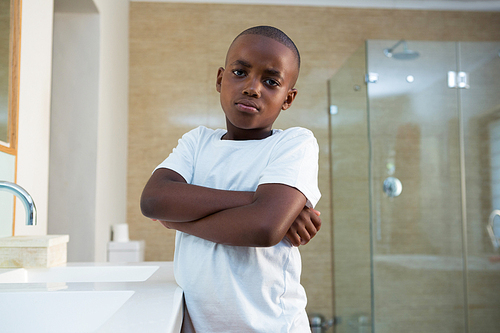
(239, 218)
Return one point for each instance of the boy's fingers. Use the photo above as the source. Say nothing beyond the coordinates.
(305, 237)
(317, 223)
(312, 230)
(317, 212)
(293, 237)
(305, 227)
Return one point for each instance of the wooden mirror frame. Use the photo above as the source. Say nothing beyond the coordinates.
(14, 59)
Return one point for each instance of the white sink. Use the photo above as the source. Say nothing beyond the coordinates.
(78, 274)
(107, 298)
(54, 312)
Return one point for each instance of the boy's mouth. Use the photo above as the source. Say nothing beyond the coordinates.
(247, 106)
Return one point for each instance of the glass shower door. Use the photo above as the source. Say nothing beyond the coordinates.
(416, 198)
(481, 122)
(417, 245)
(350, 197)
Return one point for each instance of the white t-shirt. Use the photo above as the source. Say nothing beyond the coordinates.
(236, 288)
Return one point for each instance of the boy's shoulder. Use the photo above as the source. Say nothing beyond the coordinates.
(296, 133)
(202, 132)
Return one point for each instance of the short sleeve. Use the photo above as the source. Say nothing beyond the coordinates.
(182, 157)
(294, 162)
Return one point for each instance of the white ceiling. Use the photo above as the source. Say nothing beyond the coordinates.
(463, 5)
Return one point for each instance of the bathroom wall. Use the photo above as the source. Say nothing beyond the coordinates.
(34, 111)
(175, 50)
(112, 129)
(73, 131)
(96, 153)
(34, 116)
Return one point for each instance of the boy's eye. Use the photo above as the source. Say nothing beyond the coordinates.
(238, 72)
(272, 82)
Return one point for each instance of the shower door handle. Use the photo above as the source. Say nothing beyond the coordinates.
(495, 240)
(392, 187)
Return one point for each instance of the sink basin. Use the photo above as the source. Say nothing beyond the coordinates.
(67, 311)
(78, 274)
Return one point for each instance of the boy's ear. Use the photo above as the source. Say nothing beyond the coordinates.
(218, 83)
(292, 93)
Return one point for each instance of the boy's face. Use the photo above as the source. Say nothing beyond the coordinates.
(256, 85)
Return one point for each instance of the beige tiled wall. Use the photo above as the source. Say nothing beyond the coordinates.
(175, 50)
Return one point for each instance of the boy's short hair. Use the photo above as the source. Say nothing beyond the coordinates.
(276, 34)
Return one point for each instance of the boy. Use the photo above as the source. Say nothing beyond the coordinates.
(241, 199)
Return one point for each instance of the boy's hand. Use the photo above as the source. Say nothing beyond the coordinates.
(305, 227)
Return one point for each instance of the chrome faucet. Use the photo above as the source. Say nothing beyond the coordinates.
(24, 196)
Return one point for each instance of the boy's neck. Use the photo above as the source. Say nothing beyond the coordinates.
(239, 134)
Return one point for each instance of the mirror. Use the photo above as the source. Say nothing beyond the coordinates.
(10, 36)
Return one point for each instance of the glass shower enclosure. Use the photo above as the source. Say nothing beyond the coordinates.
(415, 172)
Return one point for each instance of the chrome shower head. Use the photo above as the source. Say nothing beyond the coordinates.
(406, 54)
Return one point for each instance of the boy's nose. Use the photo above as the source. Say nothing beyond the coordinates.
(252, 89)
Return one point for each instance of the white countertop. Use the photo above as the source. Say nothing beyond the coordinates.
(153, 305)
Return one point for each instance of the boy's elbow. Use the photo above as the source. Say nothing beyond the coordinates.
(157, 208)
(267, 236)
(148, 205)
